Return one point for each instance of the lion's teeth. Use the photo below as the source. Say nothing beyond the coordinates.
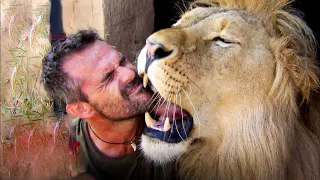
(149, 120)
(145, 80)
(166, 125)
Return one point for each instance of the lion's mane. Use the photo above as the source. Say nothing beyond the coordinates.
(278, 139)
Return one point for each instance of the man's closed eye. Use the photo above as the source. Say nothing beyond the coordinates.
(108, 77)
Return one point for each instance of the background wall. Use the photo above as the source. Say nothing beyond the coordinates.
(124, 24)
(128, 23)
(83, 14)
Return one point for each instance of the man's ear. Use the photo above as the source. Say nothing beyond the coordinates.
(80, 109)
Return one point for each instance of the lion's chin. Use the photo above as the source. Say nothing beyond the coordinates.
(161, 152)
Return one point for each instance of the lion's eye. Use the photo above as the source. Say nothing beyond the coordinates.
(221, 42)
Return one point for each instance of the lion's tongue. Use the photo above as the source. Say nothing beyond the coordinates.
(166, 112)
(168, 123)
(171, 111)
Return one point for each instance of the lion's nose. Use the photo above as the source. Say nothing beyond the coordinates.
(156, 51)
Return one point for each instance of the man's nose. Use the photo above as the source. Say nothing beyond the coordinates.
(125, 74)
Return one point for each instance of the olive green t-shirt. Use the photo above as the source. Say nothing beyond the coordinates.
(132, 166)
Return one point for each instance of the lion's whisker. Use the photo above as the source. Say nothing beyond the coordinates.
(197, 117)
(181, 108)
(167, 111)
(157, 104)
(169, 100)
(174, 122)
(190, 89)
(161, 103)
(182, 115)
(199, 89)
(155, 98)
(168, 106)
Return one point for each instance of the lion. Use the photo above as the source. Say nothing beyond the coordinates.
(236, 92)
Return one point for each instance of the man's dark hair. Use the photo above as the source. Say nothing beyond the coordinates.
(59, 86)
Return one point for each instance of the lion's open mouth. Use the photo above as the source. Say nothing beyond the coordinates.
(168, 122)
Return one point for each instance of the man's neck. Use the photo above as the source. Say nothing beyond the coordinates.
(105, 130)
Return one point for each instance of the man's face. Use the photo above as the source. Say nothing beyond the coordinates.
(109, 80)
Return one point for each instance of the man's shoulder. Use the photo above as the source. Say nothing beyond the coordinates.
(79, 164)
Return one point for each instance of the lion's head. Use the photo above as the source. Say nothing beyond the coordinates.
(240, 74)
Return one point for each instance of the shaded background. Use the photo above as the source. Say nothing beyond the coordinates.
(311, 15)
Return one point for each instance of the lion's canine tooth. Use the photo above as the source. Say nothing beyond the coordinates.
(145, 80)
(166, 125)
(149, 120)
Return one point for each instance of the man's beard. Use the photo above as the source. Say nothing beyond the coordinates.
(130, 108)
(123, 113)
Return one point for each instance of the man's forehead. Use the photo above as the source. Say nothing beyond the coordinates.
(95, 48)
(83, 62)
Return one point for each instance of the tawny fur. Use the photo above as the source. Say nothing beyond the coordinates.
(273, 137)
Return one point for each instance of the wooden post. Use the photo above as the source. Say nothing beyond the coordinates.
(124, 24)
(83, 14)
(128, 23)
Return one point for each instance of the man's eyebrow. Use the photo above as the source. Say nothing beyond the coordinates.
(123, 59)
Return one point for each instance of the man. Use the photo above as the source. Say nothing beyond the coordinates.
(102, 89)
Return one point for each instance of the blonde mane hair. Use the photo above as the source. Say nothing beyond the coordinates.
(278, 139)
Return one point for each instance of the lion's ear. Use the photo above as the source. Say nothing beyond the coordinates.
(301, 71)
